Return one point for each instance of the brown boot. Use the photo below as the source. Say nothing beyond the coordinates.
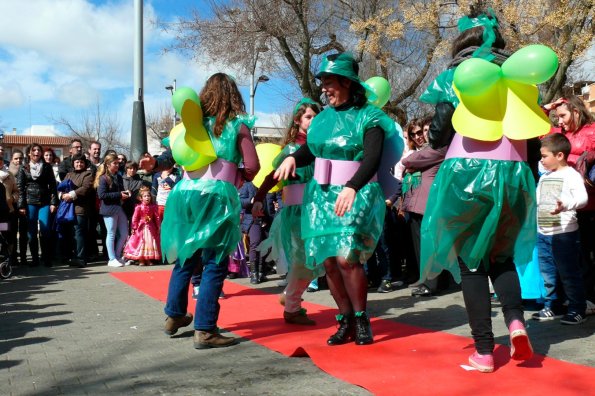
(282, 298)
(212, 339)
(298, 318)
(173, 324)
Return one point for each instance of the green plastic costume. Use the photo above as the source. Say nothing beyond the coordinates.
(481, 210)
(339, 135)
(205, 213)
(285, 236)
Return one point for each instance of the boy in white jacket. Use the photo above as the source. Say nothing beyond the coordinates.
(560, 193)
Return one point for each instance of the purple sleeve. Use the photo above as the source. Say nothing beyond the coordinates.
(248, 151)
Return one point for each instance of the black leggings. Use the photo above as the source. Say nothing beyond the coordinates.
(476, 293)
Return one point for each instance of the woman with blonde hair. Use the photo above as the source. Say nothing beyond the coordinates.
(110, 190)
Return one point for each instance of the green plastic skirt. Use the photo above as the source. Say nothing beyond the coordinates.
(285, 239)
(201, 214)
(478, 210)
(353, 236)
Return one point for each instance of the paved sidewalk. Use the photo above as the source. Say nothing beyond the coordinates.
(80, 331)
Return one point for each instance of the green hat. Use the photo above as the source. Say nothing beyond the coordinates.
(344, 65)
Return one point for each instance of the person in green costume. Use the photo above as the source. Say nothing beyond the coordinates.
(343, 208)
(285, 236)
(201, 224)
(480, 212)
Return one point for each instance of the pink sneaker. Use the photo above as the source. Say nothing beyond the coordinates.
(484, 363)
(520, 346)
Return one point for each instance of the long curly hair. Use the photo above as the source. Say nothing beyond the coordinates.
(221, 98)
(294, 128)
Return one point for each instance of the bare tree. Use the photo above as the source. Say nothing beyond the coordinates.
(406, 41)
(159, 123)
(95, 125)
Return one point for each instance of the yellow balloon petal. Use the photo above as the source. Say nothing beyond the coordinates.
(196, 136)
(480, 117)
(508, 108)
(266, 154)
(524, 119)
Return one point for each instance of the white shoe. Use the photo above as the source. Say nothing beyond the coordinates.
(129, 262)
(590, 308)
(114, 263)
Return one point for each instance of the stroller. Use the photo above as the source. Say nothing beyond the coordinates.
(5, 248)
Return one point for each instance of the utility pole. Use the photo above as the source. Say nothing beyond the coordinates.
(138, 132)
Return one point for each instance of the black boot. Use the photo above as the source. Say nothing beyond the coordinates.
(346, 331)
(363, 330)
(254, 278)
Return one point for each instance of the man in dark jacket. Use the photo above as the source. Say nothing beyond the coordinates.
(66, 166)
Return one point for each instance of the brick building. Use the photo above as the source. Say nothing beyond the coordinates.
(59, 144)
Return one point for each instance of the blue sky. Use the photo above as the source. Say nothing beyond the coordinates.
(59, 58)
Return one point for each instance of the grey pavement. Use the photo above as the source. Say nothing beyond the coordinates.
(80, 331)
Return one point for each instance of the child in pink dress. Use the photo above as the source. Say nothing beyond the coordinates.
(143, 244)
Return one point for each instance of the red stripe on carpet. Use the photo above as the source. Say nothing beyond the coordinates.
(403, 359)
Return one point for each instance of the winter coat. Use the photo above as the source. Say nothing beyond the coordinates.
(39, 192)
(84, 193)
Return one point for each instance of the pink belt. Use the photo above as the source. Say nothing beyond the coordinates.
(293, 194)
(218, 170)
(503, 149)
(336, 172)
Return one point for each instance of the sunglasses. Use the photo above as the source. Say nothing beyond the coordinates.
(418, 133)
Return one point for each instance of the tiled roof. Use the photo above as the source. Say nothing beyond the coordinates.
(42, 140)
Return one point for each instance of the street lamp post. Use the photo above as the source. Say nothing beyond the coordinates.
(172, 89)
(253, 81)
(253, 86)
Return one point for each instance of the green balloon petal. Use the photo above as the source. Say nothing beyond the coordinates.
(534, 64)
(474, 76)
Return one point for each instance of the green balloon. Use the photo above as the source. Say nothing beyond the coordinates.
(381, 88)
(475, 76)
(534, 64)
(181, 95)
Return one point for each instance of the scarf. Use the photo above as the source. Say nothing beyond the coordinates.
(36, 169)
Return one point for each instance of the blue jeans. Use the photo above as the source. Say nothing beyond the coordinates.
(116, 224)
(560, 266)
(39, 214)
(207, 306)
(79, 228)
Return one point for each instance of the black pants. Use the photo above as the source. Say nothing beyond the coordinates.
(476, 293)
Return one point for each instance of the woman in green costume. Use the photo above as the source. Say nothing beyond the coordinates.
(285, 237)
(201, 225)
(481, 208)
(343, 208)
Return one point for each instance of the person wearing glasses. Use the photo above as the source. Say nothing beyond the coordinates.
(67, 166)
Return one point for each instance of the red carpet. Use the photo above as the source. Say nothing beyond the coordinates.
(403, 359)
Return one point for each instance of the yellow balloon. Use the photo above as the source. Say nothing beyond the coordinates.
(266, 154)
(196, 136)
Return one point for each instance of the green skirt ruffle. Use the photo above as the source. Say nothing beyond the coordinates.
(285, 240)
(478, 210)
(353, 236)
(201, 214)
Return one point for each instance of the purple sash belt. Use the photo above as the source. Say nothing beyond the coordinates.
(293, 194)
(336, 172)
(503, 149)
(218, 170)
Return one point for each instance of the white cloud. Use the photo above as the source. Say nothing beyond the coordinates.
(77, 93)
(10, 94)
(42, 130)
